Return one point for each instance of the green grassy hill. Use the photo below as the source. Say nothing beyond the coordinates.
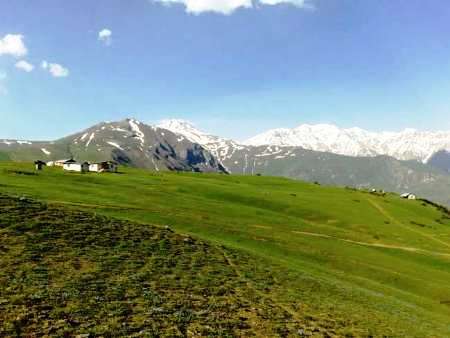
(64, 273)
(338, 260)
(380, 172)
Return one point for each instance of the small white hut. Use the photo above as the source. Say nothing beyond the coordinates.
(72, 165)
(60, 163)
(408, 196)
(101, 167)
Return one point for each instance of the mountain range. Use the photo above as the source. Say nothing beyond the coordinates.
(412, 161)
(420, 164)
(409, 144)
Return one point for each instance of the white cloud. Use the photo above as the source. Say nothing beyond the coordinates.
(55, 69)
(25, 66)
(105, 36)
(12, 44)
(229, 6)
(219, 6)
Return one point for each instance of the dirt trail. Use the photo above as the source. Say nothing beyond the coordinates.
(94, 206)
(397, 222)
(376, 245)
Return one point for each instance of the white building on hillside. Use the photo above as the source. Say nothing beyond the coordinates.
(101, 167)
(72, 165)
(409, 196)
(59, 163)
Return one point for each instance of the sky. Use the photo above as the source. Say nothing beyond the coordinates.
(234, 68)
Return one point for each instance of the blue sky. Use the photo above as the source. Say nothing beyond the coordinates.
(233, 67)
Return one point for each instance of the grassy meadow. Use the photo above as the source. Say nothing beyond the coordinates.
(346, 261)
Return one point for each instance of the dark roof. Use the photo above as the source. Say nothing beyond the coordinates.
(40, 162)
(106, 162)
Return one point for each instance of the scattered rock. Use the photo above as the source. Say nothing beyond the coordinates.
(188, 240)
(83, 335)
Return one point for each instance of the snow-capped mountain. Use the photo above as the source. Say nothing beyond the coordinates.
(285, 153)
(408, 144)
(309, 153)
(129, 142)
(220, 147)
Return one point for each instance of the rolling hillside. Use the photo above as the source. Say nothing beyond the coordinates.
(331, 260)
(380, 172)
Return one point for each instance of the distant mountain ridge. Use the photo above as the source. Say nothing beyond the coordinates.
(178, 145)
(368, 171)
(409, 144)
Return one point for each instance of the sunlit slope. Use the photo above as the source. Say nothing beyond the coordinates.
(66, 273)
(351, 255)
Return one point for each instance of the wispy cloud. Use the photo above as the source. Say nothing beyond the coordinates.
(55, 69)
(24, 65)
(229, 6)
(12, 44)
(105, 36)
(306, 4)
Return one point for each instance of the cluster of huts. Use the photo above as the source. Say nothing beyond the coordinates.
(406, 195)
(409, 196)
(81, 167)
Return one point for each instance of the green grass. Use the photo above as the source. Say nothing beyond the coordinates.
(65, 273)
(358, 262)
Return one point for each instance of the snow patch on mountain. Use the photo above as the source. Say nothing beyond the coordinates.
(119, 129)
(134, 124)
(188, 130)
(114, 144)
(19, 142)
(220, 147)
(408, 144)
(45, 151)
(90, 139)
